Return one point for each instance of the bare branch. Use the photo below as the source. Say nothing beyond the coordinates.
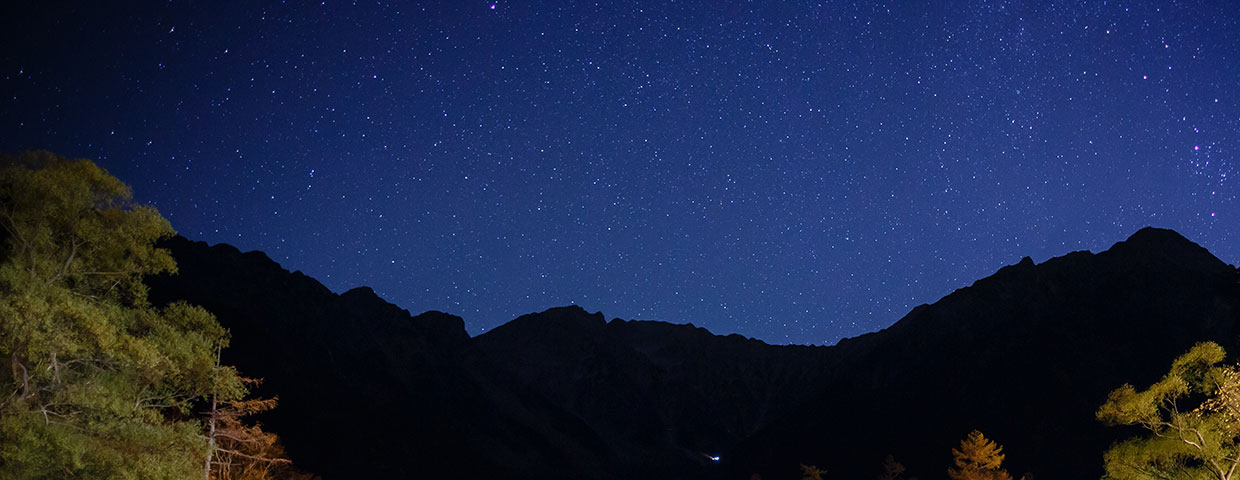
(253, 457)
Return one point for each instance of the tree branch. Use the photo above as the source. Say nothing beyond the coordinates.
(253, 457)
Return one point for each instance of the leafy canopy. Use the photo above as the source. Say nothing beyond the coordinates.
(98, 383)
(1191, 418)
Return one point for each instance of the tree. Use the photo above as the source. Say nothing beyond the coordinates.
(245, 452)
(892, 470)
(1183, 441)
(99, 383)
(978, 458)
(811, 472)
(72, 226)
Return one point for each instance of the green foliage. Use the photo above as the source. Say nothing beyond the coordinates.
(73, 226)
(98, 383)
(1192, 416)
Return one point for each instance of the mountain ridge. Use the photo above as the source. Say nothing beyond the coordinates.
(1079, 308)
(566, 393)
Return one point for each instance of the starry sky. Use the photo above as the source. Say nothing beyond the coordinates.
(793, 171)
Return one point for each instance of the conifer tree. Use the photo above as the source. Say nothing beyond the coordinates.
(892, 470)
(978, 458)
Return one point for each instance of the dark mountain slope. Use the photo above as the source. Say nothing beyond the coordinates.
(667, 397)
(1026, 355)
(366, 390)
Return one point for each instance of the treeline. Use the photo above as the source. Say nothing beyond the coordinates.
(99, 383)
(1191, 419)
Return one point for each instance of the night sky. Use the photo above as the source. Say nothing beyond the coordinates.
(792, 171)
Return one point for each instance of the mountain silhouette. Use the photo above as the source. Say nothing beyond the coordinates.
(664, 396)
(1026, 355)
(365, 389)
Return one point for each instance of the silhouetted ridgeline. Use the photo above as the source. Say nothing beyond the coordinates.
(367, 390)
(1027, 355)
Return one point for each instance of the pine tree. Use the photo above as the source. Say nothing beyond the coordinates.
(978, 458)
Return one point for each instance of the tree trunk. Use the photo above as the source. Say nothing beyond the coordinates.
(206, 467)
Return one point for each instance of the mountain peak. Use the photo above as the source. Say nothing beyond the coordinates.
(567, 310)
(1152, 245)
(568, 314)
(1155, 236)
(362, 292)
(561, 319)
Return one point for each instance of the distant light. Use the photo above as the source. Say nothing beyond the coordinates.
(714, 458)
(493, 6)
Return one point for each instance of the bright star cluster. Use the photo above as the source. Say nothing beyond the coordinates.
(793, 171)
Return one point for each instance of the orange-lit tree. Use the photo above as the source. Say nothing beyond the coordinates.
(811, 472)
(978, 458)
(240, 451)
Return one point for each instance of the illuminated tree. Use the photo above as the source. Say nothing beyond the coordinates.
(98, 384)
(240, 451)
(1192, 416)
(810, 472)
(978, 458)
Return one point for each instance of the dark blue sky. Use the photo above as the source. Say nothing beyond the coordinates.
(792, 171)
